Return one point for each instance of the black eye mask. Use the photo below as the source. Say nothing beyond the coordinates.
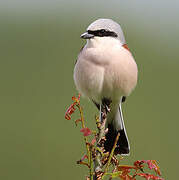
(102, 33)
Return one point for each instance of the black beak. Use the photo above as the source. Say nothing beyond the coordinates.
(86, 36)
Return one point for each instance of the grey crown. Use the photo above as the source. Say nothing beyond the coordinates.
(110, 25)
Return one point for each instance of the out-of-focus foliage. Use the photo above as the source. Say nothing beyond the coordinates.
(37, 57)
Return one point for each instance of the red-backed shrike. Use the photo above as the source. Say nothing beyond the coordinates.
(106, 73)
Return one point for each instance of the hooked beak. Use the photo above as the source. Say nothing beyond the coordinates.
(86, 35)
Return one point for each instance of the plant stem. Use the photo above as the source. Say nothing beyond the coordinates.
(99, 154)
(85, 138)
(111, 154)
(91, 164)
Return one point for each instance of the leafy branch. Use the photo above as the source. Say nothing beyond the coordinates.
(98, 161)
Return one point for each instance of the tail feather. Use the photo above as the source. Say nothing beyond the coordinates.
(117, 126)
(122, 146)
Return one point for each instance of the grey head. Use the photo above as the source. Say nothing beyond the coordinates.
(104, 28)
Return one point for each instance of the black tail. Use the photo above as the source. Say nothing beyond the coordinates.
(115, 126)
(122, 146)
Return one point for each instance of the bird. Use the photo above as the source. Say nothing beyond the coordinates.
(106, 73)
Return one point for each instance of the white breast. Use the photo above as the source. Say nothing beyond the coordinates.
(105, 69)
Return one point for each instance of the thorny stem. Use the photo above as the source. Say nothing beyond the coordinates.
(98, 154)
(101, 129)
(98, 149)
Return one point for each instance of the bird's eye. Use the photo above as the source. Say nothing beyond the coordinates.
(103, 30)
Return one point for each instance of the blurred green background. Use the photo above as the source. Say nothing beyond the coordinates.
(39, 43)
